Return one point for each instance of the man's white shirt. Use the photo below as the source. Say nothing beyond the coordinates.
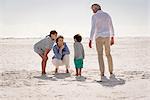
(101, 25)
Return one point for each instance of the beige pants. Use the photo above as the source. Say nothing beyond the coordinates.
(65, 61)
(100, 43)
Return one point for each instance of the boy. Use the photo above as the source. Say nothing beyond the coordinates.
(78, 54)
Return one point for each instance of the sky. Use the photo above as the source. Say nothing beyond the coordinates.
(36, 18)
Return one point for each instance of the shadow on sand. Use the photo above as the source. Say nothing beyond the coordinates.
(112, 82)
(62, 75)
(53, 77)
(45, 77)
(80, 78)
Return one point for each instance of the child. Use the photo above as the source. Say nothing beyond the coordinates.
(44, 46)
(78, 54)
(61, 54)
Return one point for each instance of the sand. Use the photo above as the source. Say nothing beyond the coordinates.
(20, 73)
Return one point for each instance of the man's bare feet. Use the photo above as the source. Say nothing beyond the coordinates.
(112, 75)
(102, 74)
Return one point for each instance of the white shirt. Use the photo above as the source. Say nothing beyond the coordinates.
(101, 25)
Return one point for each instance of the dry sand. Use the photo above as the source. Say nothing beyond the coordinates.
(20, 73)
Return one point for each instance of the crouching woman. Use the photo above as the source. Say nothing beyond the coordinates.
(61, 54)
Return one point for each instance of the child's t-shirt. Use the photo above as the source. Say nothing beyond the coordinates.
(46, 43)
(78, 51)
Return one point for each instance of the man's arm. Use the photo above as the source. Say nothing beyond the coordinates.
(111, 31)
(92, 31)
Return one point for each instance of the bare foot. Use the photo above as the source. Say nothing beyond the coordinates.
(56, 70)
(79, 74)
(76, 74)
(67, 71)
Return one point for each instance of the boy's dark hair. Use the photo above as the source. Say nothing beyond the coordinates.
(78, 37)
(52, 32)
(59, 38)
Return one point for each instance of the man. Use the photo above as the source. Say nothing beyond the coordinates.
(103, 30)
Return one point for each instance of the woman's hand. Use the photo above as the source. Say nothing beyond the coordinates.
(62, 47)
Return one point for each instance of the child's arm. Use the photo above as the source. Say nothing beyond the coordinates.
(83, 52)
(75, 50)
(46, 52)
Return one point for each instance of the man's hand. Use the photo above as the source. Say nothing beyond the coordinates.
(90, 44)
(112, 41)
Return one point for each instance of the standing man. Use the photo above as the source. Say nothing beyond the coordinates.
(102, 28)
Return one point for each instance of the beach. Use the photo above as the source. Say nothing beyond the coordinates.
(20, 72)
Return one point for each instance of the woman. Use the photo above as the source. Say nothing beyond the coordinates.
(61, 54)
(44, 46)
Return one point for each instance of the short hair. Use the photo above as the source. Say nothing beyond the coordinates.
(78, 37)
(97, 6)
(52, 32)
(59, 38)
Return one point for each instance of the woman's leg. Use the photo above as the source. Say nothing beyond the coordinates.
(66, 62)
(57, 63)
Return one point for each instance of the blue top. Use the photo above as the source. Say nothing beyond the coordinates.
(60, 53)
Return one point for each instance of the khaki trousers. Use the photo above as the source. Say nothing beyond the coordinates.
(100, 43)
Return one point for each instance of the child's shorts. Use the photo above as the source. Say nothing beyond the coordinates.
(78, 63)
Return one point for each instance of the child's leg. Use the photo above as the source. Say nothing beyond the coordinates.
(44, 61)
(76, 71)
(80, 71)
(43, 64)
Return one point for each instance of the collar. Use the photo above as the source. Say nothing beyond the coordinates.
(99, 11)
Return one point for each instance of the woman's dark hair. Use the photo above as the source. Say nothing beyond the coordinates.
(59, 38)
(78, 37)
(52, 32)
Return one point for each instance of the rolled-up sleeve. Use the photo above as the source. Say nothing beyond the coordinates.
(111, 28)
(57, 54)
(93, 22)
(66, 50)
